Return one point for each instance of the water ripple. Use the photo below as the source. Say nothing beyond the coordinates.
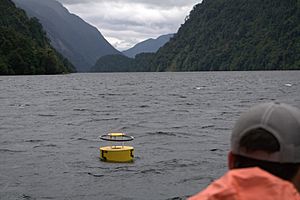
(181, 123)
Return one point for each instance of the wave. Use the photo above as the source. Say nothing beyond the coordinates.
(11, 151)
(47, 115)
(95, 175)
(161, 133)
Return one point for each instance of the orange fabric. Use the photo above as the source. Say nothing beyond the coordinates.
(248, 184)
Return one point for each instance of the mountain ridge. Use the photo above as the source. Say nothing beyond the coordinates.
(80, 42)
(148, 46)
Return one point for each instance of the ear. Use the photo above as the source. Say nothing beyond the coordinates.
(231, 160)
(296, 180)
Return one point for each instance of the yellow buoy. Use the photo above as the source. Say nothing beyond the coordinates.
(117, 153)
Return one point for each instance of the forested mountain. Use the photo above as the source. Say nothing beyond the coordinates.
(80, 42)
(120, 63)
(233, 35)
(115, 63)
(148, 46)
(24, 47)
(236, 35)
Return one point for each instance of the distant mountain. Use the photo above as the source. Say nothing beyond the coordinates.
(148, 46)
(115, 63)
(121, 63)
(24, 47)
(80, 42)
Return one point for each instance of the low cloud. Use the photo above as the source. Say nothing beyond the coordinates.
(126, 22)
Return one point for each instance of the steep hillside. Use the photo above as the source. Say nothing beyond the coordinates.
(24, 48)
(235, 35)
(148, 46)
(80, 42)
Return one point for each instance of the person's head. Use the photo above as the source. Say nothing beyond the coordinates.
(268, 136)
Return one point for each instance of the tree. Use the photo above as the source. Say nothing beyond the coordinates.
(24, 47)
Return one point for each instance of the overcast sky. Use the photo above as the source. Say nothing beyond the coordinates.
(126, 22)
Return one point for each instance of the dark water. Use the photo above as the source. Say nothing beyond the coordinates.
(181, 121)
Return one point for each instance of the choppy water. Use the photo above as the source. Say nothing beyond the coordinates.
(49, 127)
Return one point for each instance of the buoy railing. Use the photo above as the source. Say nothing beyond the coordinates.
(117, 137)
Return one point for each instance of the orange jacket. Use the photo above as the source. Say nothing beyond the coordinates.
(248, 184)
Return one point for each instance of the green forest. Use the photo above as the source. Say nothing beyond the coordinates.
(120, 63)
(24, 47)
(232, 35)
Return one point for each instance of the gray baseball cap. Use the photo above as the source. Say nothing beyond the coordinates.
(281, 120)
